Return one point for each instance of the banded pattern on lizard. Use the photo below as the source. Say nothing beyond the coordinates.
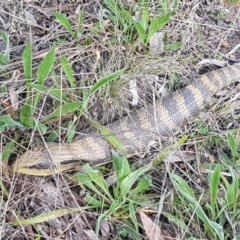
(134, 131)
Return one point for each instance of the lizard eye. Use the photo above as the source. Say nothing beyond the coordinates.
(41, 166)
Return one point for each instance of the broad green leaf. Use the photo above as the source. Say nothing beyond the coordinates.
(98, 85)
(232, 190)
(3, 60)
(140, 30)
(173, 46)
(183, 185)
(145, 19)
(46, 217)
(133, 214)
(231, 196)
(96, 177)
(84, 179)
(156, 24)
(94, 202)
(143, 185)
(26, 114)
(54, 135)
(121, 167)
(71, 131)
(27, 65)
(7, 150)
(65, 109)
(128, 182)
(46, 65)
(214, 183)
(233, 144)
(41, 127)
(10, 122)
(218, 229)
(174, 219)
(113, 141)
(183, 188)
(105, 80)
(54, 92)
(123, 172)
(64, 21)
(67, 70)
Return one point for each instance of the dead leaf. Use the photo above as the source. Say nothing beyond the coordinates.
(97, 60)
(13, 94)
(156, 44)
(180, 156)
(8, 108)
(212, 159)
(152, 230)
(30, 18)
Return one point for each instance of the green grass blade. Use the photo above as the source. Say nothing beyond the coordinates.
(233, 144)
(65, 109)
(128, 182)
(3, 60)
(7, 150)
(79, 29)
(143, 185)
(27, 65)
(156, 24)
(173, 46)
(45, 217)
(140, 30)
(100, 83)
(10, 122)
(145, 19)
(84, 179)
(67, 70)
(46, 65)
(64, 21)
(26, 114)
(112, 5)
(113, 141)
(71, 131)
(97, 178)
(106, 80)
(52, 92)
(218, 229)
(133, 215)
(214, 183)
(182, 187)
(94, 202)
(121, 167)
(5, 38)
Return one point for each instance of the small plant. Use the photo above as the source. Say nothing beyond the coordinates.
(146, 27)
(44, 71)
(217, 206)
(174, 82)
(65, 22)
(221, 14)
(120, 200)
(202, 129)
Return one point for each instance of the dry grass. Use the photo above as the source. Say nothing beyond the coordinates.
(206, 31)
